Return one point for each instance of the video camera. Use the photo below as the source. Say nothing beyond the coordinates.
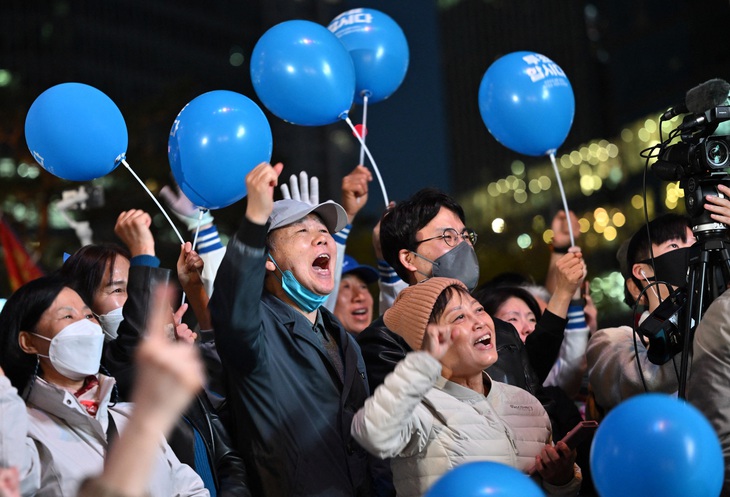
(699, 161)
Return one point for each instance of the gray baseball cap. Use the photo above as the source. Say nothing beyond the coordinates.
(289, 211)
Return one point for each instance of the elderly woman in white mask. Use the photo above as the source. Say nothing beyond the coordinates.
(438, 408)
(57, 434)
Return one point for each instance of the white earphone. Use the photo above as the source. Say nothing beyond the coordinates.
(649, 283)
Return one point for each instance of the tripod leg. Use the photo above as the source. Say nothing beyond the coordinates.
(693, 314)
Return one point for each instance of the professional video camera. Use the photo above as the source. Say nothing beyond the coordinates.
(699, 160)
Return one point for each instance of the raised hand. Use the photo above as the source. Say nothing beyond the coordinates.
(169, 372)
(260, 184)
(302, 189)
(133, 228)
(561, 235)
(355, 191)
(189, 267)
(437, 340)
(183, 332)
(184, 209)
(571, 270)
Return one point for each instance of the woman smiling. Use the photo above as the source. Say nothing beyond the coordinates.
(438, 409)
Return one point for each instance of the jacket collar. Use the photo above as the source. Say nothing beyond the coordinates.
(463, 393)
(64, 405)
(288, 317)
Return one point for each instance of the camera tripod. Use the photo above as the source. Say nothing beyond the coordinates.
(708, 277)
(670, 328)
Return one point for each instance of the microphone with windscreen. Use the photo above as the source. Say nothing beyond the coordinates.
(701, 98)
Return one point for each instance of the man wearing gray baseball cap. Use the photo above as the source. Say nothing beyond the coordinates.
(295, 376)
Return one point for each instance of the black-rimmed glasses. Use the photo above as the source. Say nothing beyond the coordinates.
(452, 237)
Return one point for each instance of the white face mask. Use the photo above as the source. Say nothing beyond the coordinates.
(76, 351)
(110, 323)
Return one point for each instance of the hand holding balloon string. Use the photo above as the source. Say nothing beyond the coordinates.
(563, 197)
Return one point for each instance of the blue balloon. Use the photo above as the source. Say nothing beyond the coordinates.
(378, 48)
(655, 444)
(215, 141)
(303, 74)
(479, 479)
(76, 132)
(527, 103)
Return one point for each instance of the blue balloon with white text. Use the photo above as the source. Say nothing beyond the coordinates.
(527, 103)
(378, 48)
(303, 74)
(76, 132)
(215, 141)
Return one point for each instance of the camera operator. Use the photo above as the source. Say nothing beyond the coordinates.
(619, 364)
(614, 355)
(613, 372)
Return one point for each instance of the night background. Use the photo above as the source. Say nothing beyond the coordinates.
(627, 62)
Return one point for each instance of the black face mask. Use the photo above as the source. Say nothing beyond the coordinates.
(671, 267)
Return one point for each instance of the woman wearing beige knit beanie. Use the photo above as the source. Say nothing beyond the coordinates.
(438, 408)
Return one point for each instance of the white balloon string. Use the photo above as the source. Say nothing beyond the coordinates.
(164, 212)
(372, 161)
(201, 212)
(129, 168)
(364, 127)
(565, 200)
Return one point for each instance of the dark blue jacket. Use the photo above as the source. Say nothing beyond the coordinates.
(290, 411)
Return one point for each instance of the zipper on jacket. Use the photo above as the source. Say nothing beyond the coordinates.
(511, 441)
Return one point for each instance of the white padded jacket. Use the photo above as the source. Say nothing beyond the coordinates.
(429, 425)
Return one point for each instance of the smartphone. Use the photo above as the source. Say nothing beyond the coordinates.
(575, 437)
(579, 433)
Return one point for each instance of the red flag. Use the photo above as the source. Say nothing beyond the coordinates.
(20, 266)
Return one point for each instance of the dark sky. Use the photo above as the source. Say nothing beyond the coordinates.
(625, 59)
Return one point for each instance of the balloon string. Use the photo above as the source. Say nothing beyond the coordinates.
(195, 240)
(364, 127)
(565, 200)
(197, 228)
(372, 161)
(154, 199)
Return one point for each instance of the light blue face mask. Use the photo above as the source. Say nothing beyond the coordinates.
(306, 299)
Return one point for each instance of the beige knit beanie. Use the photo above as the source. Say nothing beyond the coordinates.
(408, 316)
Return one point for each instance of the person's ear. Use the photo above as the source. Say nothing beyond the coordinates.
(270, 266)
(639, 273)
(642, 271)
(406, 259)
(25, 342)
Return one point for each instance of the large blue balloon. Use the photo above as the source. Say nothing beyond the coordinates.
(215, 141)
(378, 48)
(480, 479)
(303, 74)
(655, 444)
(527, 103)
(76, 132)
